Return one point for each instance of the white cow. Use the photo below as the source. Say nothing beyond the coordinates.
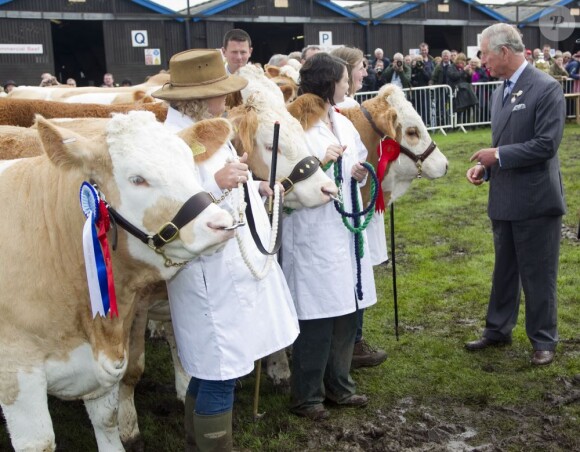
(93, 94)
(49, 341)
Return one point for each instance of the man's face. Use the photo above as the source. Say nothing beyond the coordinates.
(445, 57)
(237, 54)
(379, 54)
(546, 53)
(495, 62)
(108, 80)
(424, 51)
(536, 54)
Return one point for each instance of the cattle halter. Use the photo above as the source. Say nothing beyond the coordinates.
(169, 231)
(418, 159)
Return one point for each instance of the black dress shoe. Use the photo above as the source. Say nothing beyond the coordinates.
(542, 357)
(484, 342)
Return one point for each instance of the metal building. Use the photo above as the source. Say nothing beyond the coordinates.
(84, 39)
(132, 39)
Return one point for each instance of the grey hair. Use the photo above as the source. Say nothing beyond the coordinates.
(499, 35)
(278, 60)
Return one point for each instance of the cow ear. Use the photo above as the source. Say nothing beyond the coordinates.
(63, 147)
(211, 134)
(391, 124)
(287, 91)
(271, 71)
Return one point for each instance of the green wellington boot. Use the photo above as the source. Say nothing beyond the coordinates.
(213, 433)
(190, 445)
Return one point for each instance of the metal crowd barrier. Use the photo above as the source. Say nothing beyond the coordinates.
(435, 105)
(480, 114)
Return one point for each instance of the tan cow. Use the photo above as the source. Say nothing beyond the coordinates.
(49, 341)
(21, 112)
(394, 116)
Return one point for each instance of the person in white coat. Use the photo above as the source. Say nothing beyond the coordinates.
(364, 354)
(320, 262)
(224, 317)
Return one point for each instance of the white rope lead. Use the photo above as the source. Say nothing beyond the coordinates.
(259, 275)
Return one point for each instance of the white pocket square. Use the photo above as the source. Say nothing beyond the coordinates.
(519, 107)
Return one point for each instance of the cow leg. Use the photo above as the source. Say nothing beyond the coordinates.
(278, 369)
(128, 424)
(103, 414)
(160, 316)
(27, 418)
(181, 377)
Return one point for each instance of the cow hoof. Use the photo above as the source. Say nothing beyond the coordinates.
(135, 445)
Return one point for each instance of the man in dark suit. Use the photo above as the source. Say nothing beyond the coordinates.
(526, 198)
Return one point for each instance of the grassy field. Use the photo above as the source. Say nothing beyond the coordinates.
(430, 395)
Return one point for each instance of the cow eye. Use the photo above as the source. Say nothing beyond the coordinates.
(137, 180)
(269, 148)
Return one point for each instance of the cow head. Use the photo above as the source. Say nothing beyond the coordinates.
(254, 131)
(394, 116)
(146, 173)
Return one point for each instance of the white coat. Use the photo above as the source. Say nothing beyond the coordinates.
(225, 319)
(319, 257)
(376, 228)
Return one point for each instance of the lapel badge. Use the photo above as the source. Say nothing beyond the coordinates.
(516, 95)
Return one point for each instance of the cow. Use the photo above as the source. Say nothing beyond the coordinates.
(21, 112)
(286, 78)
(50, 343)
(92, 94)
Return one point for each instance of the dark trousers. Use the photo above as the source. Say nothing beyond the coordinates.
(526, 256)
(321, 358)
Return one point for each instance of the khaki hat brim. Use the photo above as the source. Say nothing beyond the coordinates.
(226, 86)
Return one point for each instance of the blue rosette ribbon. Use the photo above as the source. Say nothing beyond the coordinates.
(94, 260)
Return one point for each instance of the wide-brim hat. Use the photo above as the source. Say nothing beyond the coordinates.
(198, 74)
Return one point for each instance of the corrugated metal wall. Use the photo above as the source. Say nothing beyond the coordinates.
(90, 6)
(388, 37)
(254, 8)
(124, 60)
(23, 68)
(215, 32)
(347, 34)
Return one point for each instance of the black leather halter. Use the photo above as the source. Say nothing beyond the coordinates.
(418, 159)
(302, 171)
(170, 230)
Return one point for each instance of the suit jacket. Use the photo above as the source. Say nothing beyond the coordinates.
(528, 130)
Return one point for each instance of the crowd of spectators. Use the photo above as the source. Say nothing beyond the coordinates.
(456, 70)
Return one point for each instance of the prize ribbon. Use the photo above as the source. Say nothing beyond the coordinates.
(98, 262)
(388, 150)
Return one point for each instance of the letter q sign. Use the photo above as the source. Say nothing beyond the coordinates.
(139, 38)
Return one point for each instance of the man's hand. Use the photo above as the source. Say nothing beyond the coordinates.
(485, 156)
(232, 173)
(475, 174)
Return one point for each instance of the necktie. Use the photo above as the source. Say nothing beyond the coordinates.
(506, 90)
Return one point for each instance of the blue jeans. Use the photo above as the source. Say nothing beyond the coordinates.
(212, 397)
